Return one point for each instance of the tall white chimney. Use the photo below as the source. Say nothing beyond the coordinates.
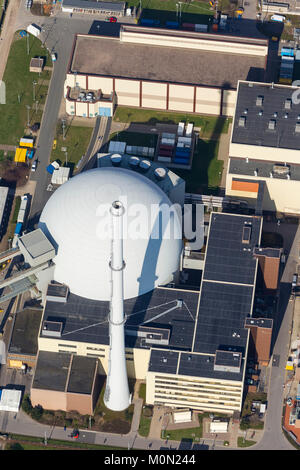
(117, 396)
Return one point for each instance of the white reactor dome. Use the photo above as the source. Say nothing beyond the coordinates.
(75, 221)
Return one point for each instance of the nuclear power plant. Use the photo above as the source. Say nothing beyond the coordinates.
(126, 298)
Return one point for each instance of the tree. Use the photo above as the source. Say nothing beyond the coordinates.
(37, 412)
(26, 404)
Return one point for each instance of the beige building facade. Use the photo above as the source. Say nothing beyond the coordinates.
(264, 147)
(164, 70)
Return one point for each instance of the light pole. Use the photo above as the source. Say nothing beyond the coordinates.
(33, 89)
(28, 108)
(63, 123)
(27, 42)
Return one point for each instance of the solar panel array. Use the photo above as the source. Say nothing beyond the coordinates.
(227, 258)
(221, 317)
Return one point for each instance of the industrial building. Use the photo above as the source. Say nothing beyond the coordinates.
(264, 147)
(189, 343)
(94, 8)
(200, 71)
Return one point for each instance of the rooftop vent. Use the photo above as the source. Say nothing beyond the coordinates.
(272, 124)
(281, 169)
(275, 114)
(297, 127)
(242, 121)
(246, 111)
(288, 103)
(160, 173)
(286, 115)
(259, 101)
(260, 113)
(247, 233)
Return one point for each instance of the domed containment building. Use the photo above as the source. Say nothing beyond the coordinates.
(188, 344)
(77, 219)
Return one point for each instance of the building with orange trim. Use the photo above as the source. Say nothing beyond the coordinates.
(264, 147)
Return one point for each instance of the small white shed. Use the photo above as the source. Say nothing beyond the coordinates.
(10, 400)
(218, 426)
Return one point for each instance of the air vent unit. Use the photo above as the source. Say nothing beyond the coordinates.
(259, 101)
(242, 121)
(288, 103)
(297, 128)
(272, 124)
(281, 169)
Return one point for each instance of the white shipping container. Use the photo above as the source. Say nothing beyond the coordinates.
(167, 135)
(185, 140)
(201, 28)
(189, 130)
(164, 159)
(34, 30)
(168, 141)
(180, 128)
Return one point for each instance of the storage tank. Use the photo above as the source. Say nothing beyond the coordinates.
(116, 159)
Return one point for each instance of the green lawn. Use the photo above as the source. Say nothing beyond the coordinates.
(142, 391)
(165, 10)
(245, 443)
(144, 427)
(135, 138)
(210, 125)
(189, 433)
(20, 89)
(34, 443)
(76, 143)
(206, 171)
(114, 421)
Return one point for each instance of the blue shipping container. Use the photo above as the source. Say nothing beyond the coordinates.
(18, 228)
(148, 22)
(287, 51)
(172, 24)
(50, 169)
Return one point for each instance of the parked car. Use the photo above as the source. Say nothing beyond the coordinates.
(249, 381)
(294, 281)
(75, 434)
(53, 57)
(34, 165)
(111, 19)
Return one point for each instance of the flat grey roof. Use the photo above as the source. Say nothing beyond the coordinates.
(109, 57)
(256, 131)
(52, 372)
(25, 332)
(227, 285)
(36, 243)
(227, 258)
(203, 365)
(82, 374)
(239, 166)
(86, 320)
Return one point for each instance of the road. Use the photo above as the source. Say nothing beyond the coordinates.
(273, 437)
(58, 35)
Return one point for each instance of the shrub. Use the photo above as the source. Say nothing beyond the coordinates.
(26, 404)
(37, 412)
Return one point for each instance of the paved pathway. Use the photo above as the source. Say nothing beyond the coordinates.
(223, 154)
